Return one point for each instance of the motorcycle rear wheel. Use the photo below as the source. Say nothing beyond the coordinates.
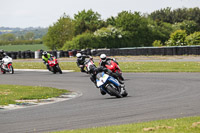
(3, 71)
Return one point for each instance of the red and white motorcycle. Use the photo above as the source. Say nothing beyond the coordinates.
(89, 63)
(6, 65)
(54, 66)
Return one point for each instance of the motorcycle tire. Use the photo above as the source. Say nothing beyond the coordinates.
(125, 94)
(11, 70)
(58, 69)
(3, 71)
(113, 92)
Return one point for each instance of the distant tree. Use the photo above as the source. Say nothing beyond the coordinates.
(110, 37)
(87, 21)
(29, 36)
(136, 28)
(189, 26)
(177, 15)
(8, 37)
(162, 15)
(59, 33)
(111, 21)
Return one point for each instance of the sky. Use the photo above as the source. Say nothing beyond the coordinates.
(44, 13)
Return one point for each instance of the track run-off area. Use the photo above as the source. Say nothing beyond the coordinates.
(152, 96)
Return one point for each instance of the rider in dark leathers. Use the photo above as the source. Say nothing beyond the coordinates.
(2, 54)
(81, 60)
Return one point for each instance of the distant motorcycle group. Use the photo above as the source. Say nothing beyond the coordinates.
(108, 77)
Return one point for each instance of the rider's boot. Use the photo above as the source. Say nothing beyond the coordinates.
(121, 88)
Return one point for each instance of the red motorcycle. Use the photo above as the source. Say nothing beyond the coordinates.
(53, 65)
(114, 67)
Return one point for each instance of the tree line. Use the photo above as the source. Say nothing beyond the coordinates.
(15, 36)
(165, 27)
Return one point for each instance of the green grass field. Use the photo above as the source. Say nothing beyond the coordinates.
(10, 93)
(181, 125)
(125, 66)
(31, 47)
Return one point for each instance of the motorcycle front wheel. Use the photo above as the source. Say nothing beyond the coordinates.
(11, 70)
(59, 70)
(113, 91)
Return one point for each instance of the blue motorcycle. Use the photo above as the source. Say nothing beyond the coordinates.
(110, 85)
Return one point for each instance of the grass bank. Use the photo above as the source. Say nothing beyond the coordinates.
(125, 66)
(25, 47)
(10, 93)
(181, 125)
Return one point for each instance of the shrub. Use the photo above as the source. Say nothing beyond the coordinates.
(193, 39)
(157, 43)
(177, 38)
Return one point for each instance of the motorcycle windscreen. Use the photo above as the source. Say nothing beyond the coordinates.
(101, 78)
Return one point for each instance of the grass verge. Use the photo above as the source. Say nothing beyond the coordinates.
(180, 125)
(125, 66)
(10, 93)
(24, 47)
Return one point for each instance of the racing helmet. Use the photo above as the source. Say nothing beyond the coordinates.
(1, 51)
(78, 55)
(4, 54)
(103, 57)
(45, 54)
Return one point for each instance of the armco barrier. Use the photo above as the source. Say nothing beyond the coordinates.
(184, 50)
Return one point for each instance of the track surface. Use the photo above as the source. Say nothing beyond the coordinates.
(152, 96)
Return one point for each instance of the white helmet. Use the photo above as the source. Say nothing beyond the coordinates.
(103, 57)
(78, 55)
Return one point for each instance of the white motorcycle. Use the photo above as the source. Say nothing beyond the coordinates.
(6, 65)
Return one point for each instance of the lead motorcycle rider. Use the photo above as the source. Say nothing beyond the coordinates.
(94, 71)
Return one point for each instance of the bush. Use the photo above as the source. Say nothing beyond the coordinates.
(83, 41)
(193, 39)
(177, 38)
(157, 43)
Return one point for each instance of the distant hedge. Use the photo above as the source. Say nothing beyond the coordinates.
(19, 42)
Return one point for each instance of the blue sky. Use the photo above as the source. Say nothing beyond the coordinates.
(43, 13)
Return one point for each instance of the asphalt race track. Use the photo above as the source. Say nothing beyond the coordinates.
(152, 96)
